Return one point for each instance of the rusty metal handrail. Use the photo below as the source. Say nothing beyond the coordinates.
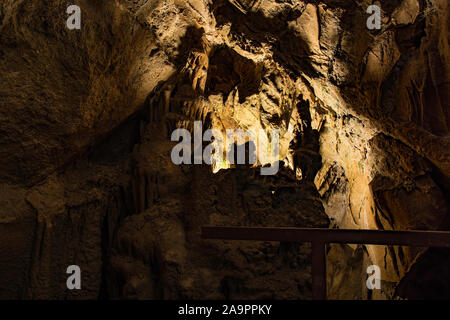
(319, 238)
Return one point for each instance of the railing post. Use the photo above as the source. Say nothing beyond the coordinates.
(318, 270)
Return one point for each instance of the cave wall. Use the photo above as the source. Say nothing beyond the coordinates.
(86, 117)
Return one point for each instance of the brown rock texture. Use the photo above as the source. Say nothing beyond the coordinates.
(86, 118)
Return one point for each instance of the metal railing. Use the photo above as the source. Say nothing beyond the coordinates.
(319, 238)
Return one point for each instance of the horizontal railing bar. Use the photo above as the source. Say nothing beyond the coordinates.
(413, 238)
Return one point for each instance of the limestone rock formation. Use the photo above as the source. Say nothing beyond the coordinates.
(86, 118)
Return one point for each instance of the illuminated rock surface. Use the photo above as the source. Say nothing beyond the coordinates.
(86, 117)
